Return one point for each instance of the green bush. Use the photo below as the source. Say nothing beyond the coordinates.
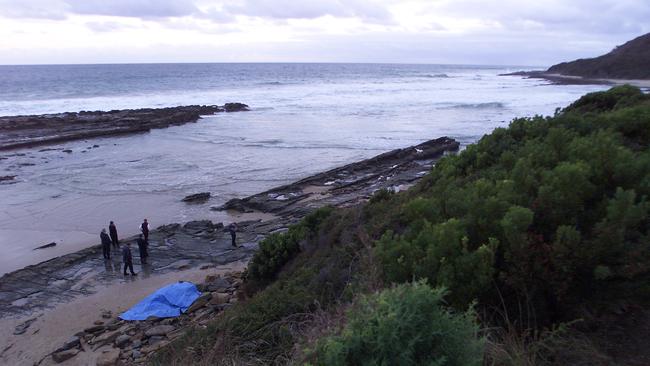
(279, 248)
(404, 325)
(551, 211)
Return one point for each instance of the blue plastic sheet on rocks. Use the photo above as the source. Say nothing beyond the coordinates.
(169, 301)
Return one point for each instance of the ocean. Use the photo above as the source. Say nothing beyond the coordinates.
(304, 118)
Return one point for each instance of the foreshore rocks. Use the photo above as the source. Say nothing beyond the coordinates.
(122, 342)
(350, 184)
(27, 131)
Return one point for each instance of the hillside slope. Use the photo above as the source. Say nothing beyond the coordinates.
(541, 230)
(629, 61)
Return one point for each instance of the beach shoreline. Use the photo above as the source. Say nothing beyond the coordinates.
(579, 80)
(38, 290)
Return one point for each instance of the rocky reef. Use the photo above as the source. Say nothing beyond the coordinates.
(29, 131)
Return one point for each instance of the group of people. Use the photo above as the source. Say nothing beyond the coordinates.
(127, 257)
(110, 238)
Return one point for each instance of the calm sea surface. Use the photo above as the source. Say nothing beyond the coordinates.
(305, 118)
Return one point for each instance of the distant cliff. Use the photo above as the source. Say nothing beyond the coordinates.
(629, 61)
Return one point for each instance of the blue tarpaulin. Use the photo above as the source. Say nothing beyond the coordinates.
(166, 302)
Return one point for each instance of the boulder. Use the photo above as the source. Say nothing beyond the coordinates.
(122, 340)
(109, 358)
(105, 338)
(73, 342)
(197, 197)
(159, 330)
(200, 302)
(62, 356)
(219, 298)
(235, 107)
(95, 329)
(218, 284)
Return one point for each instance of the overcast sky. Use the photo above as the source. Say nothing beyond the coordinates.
(504, 32)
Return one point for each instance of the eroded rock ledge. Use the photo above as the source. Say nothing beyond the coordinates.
(28, 131)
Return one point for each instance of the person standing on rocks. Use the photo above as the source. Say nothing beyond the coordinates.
(144, 228)
(142, 247)
(232, 229)
(112, 230)
(127, 258)
(106, 244)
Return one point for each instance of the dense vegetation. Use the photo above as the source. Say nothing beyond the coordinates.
(552, 211)
(533, 226)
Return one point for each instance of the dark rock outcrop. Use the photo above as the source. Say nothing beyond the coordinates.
(348, 184)
(235, 107)
(197, 197)
(629, 61)
(28, 131)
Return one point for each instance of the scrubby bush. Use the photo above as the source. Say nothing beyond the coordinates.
(279, 248)
(551, 211)
(404, 325)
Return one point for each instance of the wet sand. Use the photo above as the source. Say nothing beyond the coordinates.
(31, 230)
(53, 327)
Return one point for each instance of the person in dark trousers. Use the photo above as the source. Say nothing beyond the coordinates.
(142, 247)
(106, 244)
(144, 227)
(112, 230)
(232, 229)
(127, 258)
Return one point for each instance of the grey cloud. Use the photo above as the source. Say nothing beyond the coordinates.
(576, 16)
(60, 9)
(218, 11)
(288, 9)
(134, 8)
(39, 9)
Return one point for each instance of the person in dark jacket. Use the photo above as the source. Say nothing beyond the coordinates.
(127, 258)
(232, 229)
(142, 247)
(144, 227)
(112, 230)
(106, 244)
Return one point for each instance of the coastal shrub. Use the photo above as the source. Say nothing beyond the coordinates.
(549, 212)
(265, 328)
(404, 325)
(534, 222)
(279, 248)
